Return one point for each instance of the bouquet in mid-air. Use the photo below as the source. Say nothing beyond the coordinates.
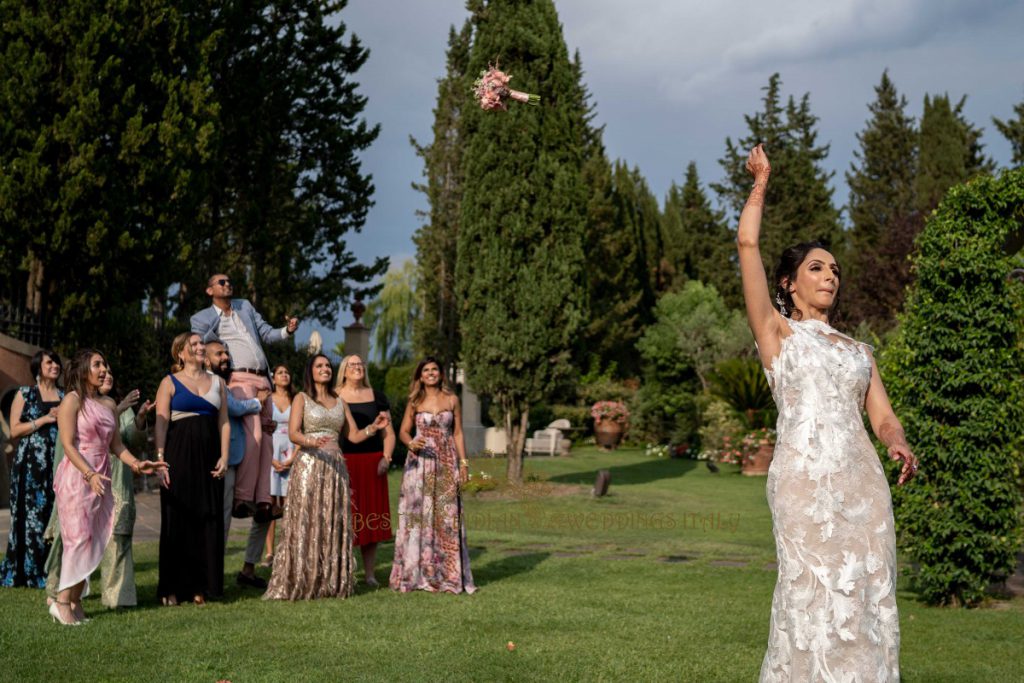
(492, 91)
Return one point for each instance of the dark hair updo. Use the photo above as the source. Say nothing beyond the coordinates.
(785, 272)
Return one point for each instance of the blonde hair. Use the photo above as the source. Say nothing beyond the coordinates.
(177, 346)
(339, 382)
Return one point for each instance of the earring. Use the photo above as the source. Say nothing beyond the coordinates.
(780, 302)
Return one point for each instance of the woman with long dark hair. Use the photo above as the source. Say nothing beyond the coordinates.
(193, 436)
(89, 433)
(430, 550)
(834, 610)
(314, 558)
(34, 422)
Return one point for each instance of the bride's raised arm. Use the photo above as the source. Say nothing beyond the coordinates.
(764, 320)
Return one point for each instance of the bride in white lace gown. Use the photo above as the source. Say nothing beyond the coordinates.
(833, 613)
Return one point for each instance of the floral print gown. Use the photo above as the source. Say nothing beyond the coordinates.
(24, 563)
(833, 614)
(430, 548)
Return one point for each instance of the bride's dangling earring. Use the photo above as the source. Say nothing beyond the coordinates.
(780, 302)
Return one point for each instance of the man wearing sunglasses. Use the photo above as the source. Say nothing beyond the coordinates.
(241, 328)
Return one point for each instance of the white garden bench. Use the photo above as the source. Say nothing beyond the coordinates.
(549, 441)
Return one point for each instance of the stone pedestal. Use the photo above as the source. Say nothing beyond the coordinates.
(472, 428)
(357, 341)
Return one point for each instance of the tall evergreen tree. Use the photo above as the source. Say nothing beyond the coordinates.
(950, 151)
(799, 201)
(637, 217)
(287, 183)
(520, 270)
(436, 330)
(614, 290)
(883, 211)
(699, 245)
(106, 123)
(1013, 130)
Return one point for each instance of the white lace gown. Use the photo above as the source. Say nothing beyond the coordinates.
(834, 609)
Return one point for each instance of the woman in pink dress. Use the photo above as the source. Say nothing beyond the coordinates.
(89, 432)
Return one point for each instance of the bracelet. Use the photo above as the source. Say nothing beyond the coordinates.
(464, 462)
(89, 475)
(35, 427)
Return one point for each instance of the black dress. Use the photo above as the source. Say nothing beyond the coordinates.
(192, 508)
(24, 563)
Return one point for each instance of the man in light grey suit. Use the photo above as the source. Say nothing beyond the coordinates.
(241, 328)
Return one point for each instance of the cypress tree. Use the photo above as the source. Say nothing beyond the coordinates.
(436, 330)
(520, 269)
(950, 151)
(698, 242)
(799, 202)
(883, 211)
(613, 288)
(1013, 130)
(106, 123)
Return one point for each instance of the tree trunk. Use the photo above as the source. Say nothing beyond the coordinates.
(516, 441)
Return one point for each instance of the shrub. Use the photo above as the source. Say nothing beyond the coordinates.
(480, 481)
(720, 427)
(578, 416)
(954, 372)
(742, 384)
(693, 331)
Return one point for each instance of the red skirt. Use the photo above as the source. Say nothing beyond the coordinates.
(371, 510)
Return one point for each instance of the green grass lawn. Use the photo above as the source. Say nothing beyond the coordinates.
(668, 578)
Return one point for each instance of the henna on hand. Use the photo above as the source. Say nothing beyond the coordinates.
(757, 194)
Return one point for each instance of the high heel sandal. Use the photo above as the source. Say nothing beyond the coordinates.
(79, 613)
(58, 618)
(198, 600)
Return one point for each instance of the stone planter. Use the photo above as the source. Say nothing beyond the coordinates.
(757, 464)
(608, 434)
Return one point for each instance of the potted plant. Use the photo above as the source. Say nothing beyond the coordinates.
(610, 420)
(758, 448)
(741, 383)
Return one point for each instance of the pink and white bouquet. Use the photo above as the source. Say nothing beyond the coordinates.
(492, 91)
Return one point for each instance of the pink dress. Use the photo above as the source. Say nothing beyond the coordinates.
(86, 520)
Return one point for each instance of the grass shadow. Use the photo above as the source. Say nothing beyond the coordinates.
(493, 572)
(635, 473)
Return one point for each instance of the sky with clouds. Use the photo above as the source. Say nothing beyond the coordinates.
(672, 78)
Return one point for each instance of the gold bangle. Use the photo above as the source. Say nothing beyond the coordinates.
(464, 462)
(89, 475)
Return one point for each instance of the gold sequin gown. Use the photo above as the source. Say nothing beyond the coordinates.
(314, 559)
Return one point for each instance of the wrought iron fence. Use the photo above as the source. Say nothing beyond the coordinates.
(17, 321)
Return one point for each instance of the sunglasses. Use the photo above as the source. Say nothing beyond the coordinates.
(223, 282)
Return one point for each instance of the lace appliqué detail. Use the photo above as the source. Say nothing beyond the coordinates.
(834, 608)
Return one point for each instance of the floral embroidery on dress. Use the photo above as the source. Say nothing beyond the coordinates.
(833, 613)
